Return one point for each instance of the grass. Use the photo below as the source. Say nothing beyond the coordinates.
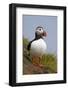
(49, 61)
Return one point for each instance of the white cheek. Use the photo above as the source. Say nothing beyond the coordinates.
(41, 31)
(38, 31)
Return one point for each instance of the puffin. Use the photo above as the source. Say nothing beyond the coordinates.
(37, 47)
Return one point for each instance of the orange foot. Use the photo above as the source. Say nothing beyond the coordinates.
(37, 61)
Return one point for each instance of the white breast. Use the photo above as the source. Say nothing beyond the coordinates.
(38, 47)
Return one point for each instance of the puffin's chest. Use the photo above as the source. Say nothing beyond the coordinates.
(38, 47)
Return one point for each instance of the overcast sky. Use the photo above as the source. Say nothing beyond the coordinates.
(49, 23)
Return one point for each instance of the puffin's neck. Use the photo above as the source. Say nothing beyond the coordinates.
(37, 36)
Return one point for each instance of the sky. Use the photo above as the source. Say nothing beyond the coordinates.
(49, 23)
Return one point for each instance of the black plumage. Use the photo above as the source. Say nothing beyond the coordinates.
(29, 45)
(36, 38)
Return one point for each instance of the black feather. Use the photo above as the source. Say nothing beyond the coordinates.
(36, 38)
(29, 45)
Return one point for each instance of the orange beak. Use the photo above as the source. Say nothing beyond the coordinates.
(44, 33)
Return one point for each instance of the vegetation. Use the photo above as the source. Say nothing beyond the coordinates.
(48, 60)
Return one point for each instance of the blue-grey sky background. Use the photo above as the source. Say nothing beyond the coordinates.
(49, 23)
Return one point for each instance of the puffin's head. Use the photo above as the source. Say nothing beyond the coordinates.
(40, 32)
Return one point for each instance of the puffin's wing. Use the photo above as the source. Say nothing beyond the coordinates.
(29, 45)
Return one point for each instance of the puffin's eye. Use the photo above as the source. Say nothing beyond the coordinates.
(40, 29)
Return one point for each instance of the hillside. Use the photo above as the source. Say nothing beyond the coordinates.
(49, 61)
